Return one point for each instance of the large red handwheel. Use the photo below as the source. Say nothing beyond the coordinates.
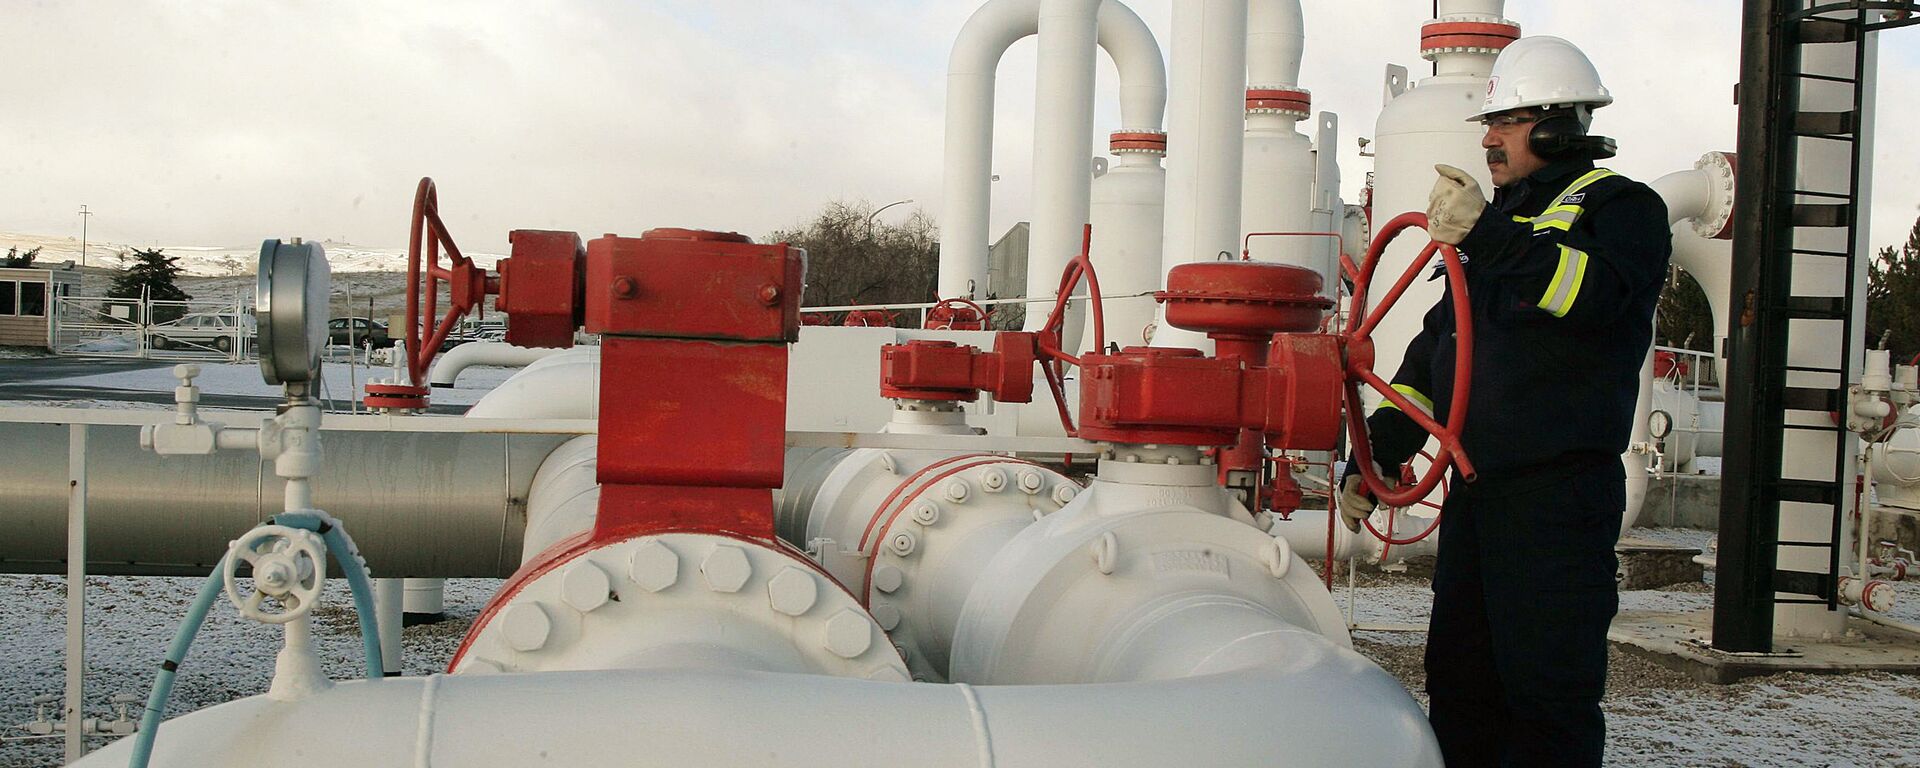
(466, 283)
(1358, 341)
(957, 314)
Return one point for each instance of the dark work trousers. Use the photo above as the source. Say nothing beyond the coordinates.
(1522, 596)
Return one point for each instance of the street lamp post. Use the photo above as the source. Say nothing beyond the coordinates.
(877, 211)
(84, 213)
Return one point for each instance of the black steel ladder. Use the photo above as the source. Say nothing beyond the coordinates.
(1797, 302)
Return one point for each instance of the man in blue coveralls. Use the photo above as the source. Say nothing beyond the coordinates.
(1563, 270)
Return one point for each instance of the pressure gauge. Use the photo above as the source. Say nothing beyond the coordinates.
(1659, 424)
(290, 310)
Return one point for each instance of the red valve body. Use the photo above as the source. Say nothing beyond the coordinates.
(943, 370)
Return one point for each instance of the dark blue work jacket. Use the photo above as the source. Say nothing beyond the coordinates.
(1563, 272)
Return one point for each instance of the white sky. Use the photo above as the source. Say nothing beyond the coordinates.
(222, 122)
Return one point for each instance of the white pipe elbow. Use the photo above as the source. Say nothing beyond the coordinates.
(1143, 73)
(447, 368)
(1276, 41)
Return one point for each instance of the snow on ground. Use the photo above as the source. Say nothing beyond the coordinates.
(130, 621)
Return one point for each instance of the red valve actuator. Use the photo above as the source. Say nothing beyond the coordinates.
(1178, 396)
(943, 370)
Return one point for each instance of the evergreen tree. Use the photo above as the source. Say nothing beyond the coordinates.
(1893, 298)
(15, 258)
(1684, 318)
(152, 270)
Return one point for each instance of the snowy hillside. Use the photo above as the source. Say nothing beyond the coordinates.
(215, 261)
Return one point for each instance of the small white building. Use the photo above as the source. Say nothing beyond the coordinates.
(26, 302)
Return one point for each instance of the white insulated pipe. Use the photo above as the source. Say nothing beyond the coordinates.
(1205, 122)
(560, 386)
(1062, 123)
(971, 71)
(448, 366)
(1281, 184)
(1306, 702)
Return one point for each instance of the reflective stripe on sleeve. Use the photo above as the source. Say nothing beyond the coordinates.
(1424, 403)
(1565, 286)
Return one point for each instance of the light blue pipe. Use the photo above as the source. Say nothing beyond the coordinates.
(176, 653)
(344, 553)
(348, 557)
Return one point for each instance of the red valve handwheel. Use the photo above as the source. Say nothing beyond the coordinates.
(1358, 342)
(946, 314)
(466, 283)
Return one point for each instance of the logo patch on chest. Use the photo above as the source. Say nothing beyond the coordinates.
(1573, 199)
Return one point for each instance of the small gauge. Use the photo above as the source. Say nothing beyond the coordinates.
(290, 310)
(1659, 424)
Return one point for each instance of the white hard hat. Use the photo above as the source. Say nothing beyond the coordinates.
(1542, 71)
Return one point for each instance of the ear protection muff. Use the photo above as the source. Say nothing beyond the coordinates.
(1561, 136)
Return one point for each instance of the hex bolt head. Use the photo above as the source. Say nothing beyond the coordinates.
(926, 514)
(1065, 492)
(792, 591)
(958, 490)
(525, 626)
(993, 480)
(769, 294)
(585, 586)
(726, 568)
(1030, 482)
(888, 578)
(886, 615)
(654, 566)
(624, 287)
(902, 543)
(849, 634)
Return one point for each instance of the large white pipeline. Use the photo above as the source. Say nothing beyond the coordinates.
(971, 71)
(1062, 121)
(1206, 119)
(1303, 702)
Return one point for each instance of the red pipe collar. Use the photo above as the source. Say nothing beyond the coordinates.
(1138, 141)
(1286, 101)
(1488, 37)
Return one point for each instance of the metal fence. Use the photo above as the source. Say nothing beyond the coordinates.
(200, 329)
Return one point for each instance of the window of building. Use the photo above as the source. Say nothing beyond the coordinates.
(8, 291)
(33, 299)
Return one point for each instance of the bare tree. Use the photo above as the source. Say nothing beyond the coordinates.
(855, 258)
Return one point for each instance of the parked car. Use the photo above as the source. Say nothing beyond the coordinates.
(358, 331)
(213, 330)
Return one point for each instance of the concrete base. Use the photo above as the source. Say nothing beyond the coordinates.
(1679, 641)
(1682, 501)
(1648, 564)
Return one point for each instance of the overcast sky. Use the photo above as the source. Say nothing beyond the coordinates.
(222, 122)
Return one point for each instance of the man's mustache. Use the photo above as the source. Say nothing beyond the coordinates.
(1496, 155)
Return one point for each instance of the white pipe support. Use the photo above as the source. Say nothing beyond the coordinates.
(1063, 120)
(679, 601)
(389, 606)
(448, 366)
(424, 598)
(1309, 711)
(971, 70)
(1206, 120)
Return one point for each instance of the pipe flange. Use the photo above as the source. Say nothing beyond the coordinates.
(1715, 222)
(736, 602)
(1138, 143)
(953, 524)
(1288, 100)
(1467, 33)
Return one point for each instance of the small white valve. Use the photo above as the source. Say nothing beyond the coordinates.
(289, 565)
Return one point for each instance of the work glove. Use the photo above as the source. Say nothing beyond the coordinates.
(1454, 205)
(1356, 502)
